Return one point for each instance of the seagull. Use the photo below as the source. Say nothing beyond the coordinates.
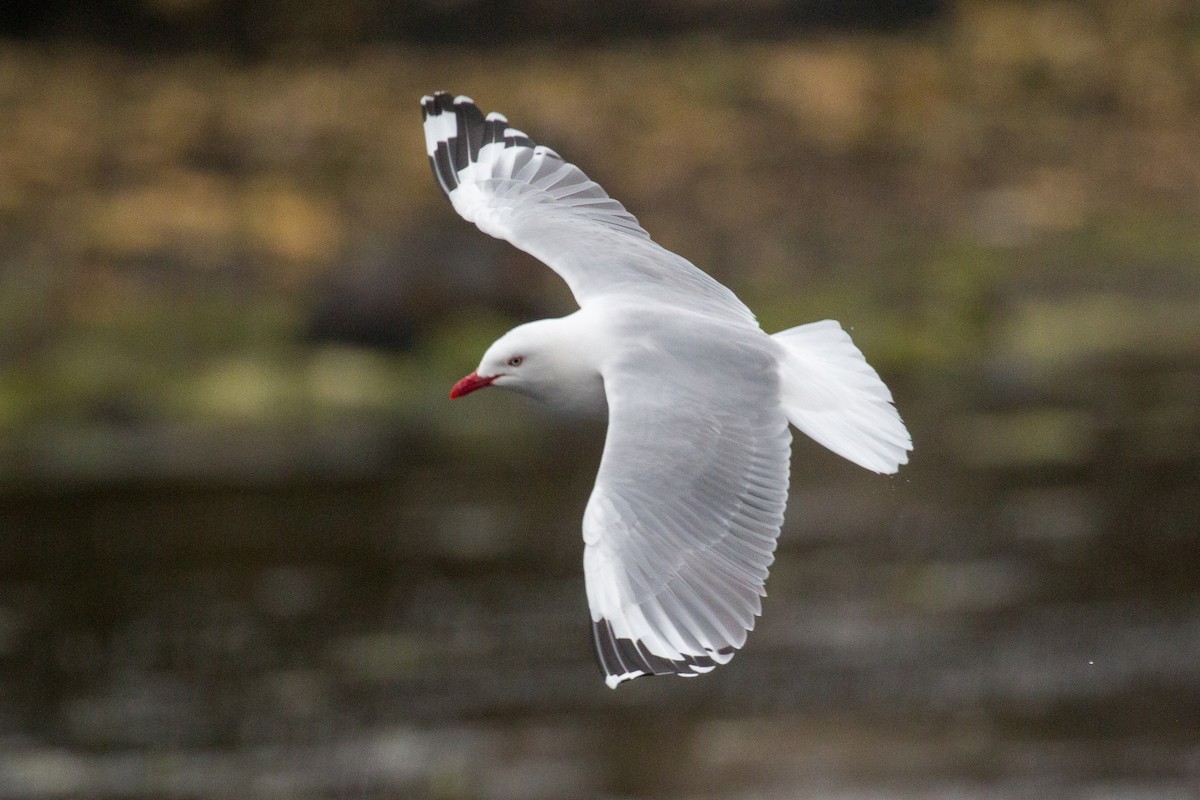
(681, 526)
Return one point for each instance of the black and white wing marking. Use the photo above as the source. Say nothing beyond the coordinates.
(526, 194)
(681, 527)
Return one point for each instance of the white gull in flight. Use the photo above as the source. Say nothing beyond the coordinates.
(682, 523)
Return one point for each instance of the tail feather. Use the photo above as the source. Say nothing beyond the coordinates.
(834, 396)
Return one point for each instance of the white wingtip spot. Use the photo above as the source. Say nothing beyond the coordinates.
(514, 132)
(496, 116)
(463, 99)
(614, 681)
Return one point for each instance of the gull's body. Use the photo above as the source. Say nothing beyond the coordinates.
(681, 527)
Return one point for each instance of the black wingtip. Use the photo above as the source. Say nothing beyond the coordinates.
(444, 158)
(431, 104)
(626, 659)
(454, 149)
(470, 122)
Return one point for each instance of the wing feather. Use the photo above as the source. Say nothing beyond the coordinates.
(526, 194)
(681, 527)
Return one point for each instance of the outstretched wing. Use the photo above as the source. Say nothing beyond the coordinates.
(681, 526)
(529, 196)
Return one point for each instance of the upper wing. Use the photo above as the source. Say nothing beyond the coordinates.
(526, 194)
(682, 523)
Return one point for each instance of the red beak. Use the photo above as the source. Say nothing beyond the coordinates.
(470, 383)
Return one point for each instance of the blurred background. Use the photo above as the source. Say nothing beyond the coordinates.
(251, 550)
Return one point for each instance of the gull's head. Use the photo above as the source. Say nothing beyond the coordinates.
(520, 360)
(545, 360)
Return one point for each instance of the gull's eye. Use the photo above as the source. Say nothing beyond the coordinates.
(516, 361)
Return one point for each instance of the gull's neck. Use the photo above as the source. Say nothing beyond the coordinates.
(569, 378)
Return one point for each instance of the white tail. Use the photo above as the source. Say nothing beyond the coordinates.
(833, 395)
